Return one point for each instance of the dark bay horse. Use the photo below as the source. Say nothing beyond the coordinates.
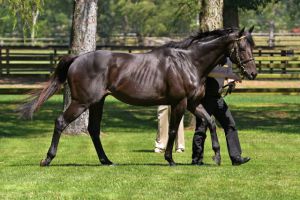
(173, 74)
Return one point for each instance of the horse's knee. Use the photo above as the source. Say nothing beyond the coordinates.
(172, 135)
(212, 124)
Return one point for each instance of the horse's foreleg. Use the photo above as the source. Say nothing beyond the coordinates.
(215, 142)
(200, 112)
(95, 116)
(177, 112)
(72, 112)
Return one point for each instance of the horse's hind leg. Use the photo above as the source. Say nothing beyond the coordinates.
(215, 142)
(95, 116)
(73, 111)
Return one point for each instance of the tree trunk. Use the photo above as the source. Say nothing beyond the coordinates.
(211, 15)
(83, 40)
(230, 16)
(35, 14)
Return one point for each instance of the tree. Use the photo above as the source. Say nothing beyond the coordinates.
(83, 39)
(56, 19)
(231, 8)
(147, 18)
(284, 14)
(211, 15)
(210, 18)
(26, 12)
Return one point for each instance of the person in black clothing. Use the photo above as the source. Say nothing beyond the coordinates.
(216, 106)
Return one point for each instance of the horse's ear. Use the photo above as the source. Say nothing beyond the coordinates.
(241, 31)
(251, 29)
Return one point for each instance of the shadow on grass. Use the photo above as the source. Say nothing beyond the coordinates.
(116, 165)
(283, 118)
(143, 150)
(116, 117)
(119, 117)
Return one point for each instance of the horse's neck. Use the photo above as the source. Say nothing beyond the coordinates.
(208, 55)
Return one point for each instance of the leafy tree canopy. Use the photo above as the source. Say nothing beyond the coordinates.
(24, 11)
(143, 17)
(284, 14)
(247, 4)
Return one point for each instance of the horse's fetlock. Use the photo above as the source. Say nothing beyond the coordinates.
(50, 156)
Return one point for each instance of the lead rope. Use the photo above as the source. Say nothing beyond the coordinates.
(227, 91)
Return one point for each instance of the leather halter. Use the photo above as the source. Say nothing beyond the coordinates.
(235, 49)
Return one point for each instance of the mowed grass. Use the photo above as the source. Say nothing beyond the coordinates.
(269, 131)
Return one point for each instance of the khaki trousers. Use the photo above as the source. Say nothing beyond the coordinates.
(162, 136)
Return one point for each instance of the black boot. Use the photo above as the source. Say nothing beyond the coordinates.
(239, 160)
(198, 149)
(199, 162)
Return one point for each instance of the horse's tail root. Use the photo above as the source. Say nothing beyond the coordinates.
(38, 97)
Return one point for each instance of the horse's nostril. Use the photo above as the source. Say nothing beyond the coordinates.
(254, 75)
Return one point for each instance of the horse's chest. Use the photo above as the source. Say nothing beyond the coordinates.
(197, 91)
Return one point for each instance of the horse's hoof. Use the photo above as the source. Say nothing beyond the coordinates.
(172, 164)
(217, 160)
(44, 163)
(107, 162)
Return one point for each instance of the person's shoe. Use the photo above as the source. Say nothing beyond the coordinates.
(239, 160)
(159, 150)
(180, 150)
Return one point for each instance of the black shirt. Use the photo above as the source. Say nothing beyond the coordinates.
(215, 80)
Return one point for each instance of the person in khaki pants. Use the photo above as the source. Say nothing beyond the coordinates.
(162, 136)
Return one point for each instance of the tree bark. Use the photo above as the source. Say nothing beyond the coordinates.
(83, 40)
(211, 15)
(35, 14)
(230, 16)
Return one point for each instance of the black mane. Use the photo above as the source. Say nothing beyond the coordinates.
(199, 36)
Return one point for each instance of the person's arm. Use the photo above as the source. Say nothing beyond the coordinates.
(223, 72)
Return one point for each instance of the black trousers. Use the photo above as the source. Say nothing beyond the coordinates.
(216, 106)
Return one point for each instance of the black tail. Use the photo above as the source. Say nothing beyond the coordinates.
(38, 97)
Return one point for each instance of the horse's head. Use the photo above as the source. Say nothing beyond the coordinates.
(241, 53)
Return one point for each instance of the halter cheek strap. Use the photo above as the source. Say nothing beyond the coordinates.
(237, 56)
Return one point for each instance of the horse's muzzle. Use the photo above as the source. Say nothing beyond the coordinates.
(251, 76)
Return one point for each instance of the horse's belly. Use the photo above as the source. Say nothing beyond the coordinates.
(140, 100)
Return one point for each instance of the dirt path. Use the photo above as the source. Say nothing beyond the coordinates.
(269, 84)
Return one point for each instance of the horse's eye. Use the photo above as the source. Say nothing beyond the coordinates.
(242, 49)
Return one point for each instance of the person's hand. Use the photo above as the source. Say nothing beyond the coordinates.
(237, 78)
(231, 87)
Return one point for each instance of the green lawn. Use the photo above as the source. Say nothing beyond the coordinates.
(269, 130)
